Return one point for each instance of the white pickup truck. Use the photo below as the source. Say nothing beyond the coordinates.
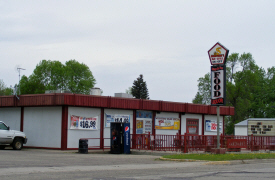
(13, 138)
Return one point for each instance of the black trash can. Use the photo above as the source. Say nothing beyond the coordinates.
(83, 146)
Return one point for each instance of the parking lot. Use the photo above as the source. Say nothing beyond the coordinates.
(56, 164)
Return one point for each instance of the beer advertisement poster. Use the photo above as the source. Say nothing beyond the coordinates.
(167, 123)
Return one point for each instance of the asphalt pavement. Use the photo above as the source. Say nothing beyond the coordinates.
(29, 164)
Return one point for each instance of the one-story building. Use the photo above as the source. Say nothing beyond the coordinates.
(59, 120)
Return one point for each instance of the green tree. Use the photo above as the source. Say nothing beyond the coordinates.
(139, 88)
(232, 61)
(249, 89)
(203, 95)
(246, 60)
(53, 75)
(78, 77)
(129, 90)
(5, 91)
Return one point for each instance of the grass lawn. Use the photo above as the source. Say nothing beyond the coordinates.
(222, 157)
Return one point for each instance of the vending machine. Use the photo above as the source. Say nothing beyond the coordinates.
(120, 138)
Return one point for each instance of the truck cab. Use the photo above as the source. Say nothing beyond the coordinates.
(13, 138)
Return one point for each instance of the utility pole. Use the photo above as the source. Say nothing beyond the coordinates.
(18, 69)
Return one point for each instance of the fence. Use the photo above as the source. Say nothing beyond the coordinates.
(188, 143)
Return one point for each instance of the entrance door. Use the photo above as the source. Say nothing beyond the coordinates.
(192, 126)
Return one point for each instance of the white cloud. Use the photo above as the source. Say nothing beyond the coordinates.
(167, 41)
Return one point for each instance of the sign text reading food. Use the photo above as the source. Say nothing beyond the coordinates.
(217, 85)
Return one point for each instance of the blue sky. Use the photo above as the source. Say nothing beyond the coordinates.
(166, 41)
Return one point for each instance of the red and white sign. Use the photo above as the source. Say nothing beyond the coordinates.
(83, 123)
(218, 54)
(217, 85)
(211, 125)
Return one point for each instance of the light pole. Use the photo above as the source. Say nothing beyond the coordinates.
(18, 69)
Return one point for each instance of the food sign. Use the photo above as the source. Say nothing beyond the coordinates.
(218, 54)
(217, 85)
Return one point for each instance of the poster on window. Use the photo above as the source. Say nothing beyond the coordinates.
(144, 122)
(116, 118)
(83, 123)
(211, 126)
(144, 126)
(167, 123)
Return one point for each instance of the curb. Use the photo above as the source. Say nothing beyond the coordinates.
(192, 160)
(181, 160)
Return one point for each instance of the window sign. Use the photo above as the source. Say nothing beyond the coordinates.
(211, 126)
(117, 118)
(144, 122)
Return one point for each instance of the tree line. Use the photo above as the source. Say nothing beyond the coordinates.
(250, 89)
(53, 75)
(72, 76)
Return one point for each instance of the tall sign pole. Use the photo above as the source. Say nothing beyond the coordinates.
(218, 55)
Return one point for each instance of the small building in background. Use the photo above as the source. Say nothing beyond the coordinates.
(124, 95)
(95, 91)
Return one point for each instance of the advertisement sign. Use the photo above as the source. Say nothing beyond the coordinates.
(167, 123)
(144, 122)
(261, 128)
(211, 126)
(116, 118)
(127, 138)
(218, 85)
(83, 123)
(218, 54)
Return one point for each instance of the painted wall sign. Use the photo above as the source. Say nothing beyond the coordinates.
(218, 85)
(218, 54)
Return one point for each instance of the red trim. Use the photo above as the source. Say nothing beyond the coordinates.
(134, 121)
(134, 128)
(223, 126)
(153, 123)
(202, 125)
(180, 124)
(64, 128)
(22, 119)
(60, 99)
(102, 128)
